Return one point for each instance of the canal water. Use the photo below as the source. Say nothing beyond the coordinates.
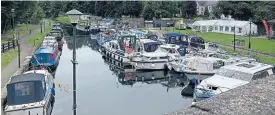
(105, 89)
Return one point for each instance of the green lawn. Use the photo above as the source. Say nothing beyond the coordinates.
(257, 44)
(21, 28)
(38, 37)
(7, 57)
(63, 19)
(260, 58)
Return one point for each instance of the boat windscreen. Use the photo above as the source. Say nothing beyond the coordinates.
(234, 74)
(25, 92)
(151, 46)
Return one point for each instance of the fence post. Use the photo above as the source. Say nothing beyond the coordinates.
(13, 44)
(3, 47)
(8, 45)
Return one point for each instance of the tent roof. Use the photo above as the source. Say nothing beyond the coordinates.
(229, 23)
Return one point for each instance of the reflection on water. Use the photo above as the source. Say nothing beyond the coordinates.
(104, 88)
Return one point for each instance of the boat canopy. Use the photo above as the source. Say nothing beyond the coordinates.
(26, 88)
(173, 34)
(151, 46)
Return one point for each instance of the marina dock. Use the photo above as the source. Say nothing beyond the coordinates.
(255, 98)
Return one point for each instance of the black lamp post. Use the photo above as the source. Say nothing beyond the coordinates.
(17, 41)
(234, 38)
(74, 17)
(249, 44)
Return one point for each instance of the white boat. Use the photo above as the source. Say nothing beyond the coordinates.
(121, 49)
(31, 93)
(232, 76)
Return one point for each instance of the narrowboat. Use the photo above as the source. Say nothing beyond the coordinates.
(57, 32)
(47, 56)
(53, 39)
(31, 93)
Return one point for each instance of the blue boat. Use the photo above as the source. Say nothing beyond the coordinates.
(48, 56)
(31, 93)
(176, 38)
(181, 39)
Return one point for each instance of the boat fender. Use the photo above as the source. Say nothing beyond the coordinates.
(193, 81)
(53, 91)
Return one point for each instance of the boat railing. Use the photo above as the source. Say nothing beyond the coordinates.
(209, 91)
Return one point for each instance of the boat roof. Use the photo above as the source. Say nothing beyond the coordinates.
(154, 54)
(27, 77)
(248, 67)
(44, 49)
(147, 40)
(170, 46)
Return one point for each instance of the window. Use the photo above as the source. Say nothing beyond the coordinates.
(163, 57)
(232, 29)
(226, 28)
(240, 30)
(260, 75)
(216, 27)
(210, 28)
(221, 28)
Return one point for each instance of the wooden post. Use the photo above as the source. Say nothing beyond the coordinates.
(13, 44)
(8, 45)
(3, 47)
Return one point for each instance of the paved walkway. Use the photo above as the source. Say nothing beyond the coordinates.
(26, 50)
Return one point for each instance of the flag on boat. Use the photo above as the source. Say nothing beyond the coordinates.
(128, 50)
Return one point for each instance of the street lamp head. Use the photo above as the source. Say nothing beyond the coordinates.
(250, 19)
(74, 16)
(12, 10)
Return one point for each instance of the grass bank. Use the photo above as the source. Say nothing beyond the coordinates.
(38, 37)
(7, 57)
(63, 19)
(257, 43)
(263, 59)
(23, 30)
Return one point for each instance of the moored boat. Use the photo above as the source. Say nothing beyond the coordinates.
(46, 55)
(31, 93)
(232, 76)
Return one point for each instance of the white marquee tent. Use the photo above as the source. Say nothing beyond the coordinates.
(225, 26)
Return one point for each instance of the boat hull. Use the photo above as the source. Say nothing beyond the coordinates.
(200, 76)
(149, 65)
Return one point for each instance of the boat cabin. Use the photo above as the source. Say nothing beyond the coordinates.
(31, 92)
(26, 88)
(148, 45)
(176, 50)
(45, 55)
(204, 64)
(176, 38)
(247, 71)
(197, 42)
